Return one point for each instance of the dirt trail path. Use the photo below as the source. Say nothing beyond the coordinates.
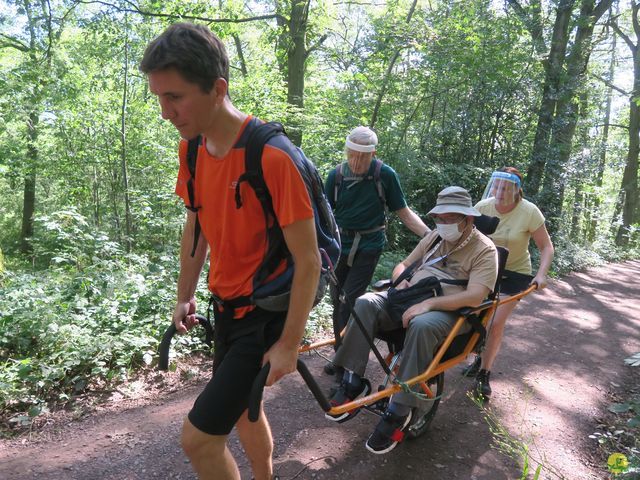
(560, 363)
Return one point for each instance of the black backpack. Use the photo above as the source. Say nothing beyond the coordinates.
(375, 178)
(274, 294)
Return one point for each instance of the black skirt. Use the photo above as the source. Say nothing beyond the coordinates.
(512, 283)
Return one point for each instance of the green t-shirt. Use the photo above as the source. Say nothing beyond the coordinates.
(359, 207)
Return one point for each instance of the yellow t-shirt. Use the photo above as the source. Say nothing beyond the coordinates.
(514, 231)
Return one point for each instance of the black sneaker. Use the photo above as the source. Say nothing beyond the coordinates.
(473, 369)
(346, 393)
(482, 387)
(388, 433)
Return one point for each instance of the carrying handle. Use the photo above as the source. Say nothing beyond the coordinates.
(255, 397)
(165, 344)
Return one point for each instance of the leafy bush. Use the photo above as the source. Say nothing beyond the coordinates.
(89, 318)
(92, 317)
(64, 329)
(573, 256)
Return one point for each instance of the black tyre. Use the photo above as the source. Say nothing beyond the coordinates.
(423, 414)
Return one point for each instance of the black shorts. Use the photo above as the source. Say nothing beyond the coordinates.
(236, 363)
(513, 283)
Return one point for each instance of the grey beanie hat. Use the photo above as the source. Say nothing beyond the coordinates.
(454, 200)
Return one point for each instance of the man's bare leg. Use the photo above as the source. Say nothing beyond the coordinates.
(209, 455)
(258, 444)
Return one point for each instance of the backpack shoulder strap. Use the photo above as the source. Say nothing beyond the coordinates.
(378, 182)
(337, 182)
(253, 174)
(192, 159)
(409, 271)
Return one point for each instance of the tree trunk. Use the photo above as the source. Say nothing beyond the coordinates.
(594, 211)
(123, 144)
(553, 73)
(630, 175)
(494, 132)
(566, 118)
(29, 193)
(296, 58)
(629, 187)
(239, 51)
(579, 174)
(427, 126)
(96, 197)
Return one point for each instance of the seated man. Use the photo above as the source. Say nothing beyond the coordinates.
(462, 254)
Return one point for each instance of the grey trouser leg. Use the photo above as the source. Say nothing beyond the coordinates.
(424, 334)
(353, 354)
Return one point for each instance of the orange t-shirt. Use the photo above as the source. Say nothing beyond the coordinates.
(237, 236)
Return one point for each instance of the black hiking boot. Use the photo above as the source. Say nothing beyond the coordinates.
(482, 388)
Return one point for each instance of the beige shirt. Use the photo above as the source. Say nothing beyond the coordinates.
(476, 262)
(514, 231)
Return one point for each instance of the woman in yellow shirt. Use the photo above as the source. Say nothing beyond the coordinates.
(520, 221)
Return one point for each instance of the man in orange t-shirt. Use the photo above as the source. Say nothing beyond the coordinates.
(188, 70)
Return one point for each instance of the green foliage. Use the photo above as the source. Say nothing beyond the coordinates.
(388, 260)
(87, 319)
(572, 255)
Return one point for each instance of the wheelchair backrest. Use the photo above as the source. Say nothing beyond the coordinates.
(503, 253)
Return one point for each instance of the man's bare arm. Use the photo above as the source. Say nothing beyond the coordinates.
(190, 268)
(300, 238)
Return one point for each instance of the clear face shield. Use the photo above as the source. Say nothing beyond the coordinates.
(504, 187)
(359, 156)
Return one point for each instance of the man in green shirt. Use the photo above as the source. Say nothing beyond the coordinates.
(360, 191)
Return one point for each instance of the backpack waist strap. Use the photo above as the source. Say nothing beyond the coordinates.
(357, 235)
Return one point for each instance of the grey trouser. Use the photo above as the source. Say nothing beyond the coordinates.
(424, 334)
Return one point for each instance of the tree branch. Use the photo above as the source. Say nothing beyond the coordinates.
(532, 23)
(136, 9)
(610, 85)
(636, 27)
(624, 36)
(615, 125)
(316, 45)
(599, 10)
(13, 43)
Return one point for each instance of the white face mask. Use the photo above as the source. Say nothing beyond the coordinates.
(449, 231)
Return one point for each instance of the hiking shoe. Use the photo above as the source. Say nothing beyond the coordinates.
(388, 433)
(482, 388)
(346, 393)
(472, 370)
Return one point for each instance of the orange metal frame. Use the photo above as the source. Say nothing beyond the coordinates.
(435, 367)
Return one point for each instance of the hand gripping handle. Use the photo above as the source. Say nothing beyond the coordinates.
(165, 344)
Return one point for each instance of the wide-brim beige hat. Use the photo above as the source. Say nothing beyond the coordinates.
(454, 200)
